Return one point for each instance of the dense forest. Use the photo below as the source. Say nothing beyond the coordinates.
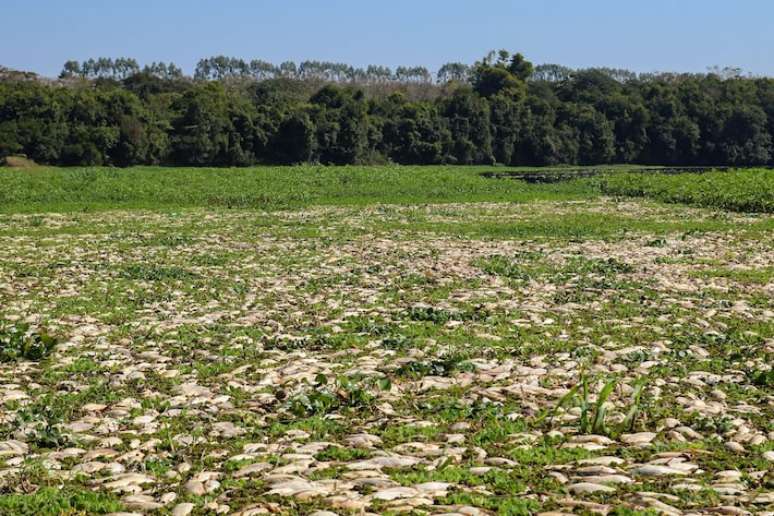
(501, 110)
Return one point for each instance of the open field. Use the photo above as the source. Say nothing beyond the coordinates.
(55, 189)
(47, 189)
(383, 340)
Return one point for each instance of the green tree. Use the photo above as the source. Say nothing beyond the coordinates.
(468, 120)
(294, 141)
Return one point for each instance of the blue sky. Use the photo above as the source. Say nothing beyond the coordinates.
(642, 35)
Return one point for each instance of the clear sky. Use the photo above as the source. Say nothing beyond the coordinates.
(641, 35)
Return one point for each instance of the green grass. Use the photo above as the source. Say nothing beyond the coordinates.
(756, 276)
(74, 189)
(49, 189)
(50, 501)
(744, 190)
(583, 226)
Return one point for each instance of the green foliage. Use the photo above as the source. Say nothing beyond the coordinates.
(343, 393)
(42, 419)
(764, 378)
(634, 409)
(593, 415)
(341, 119)
(505, 76)
(447, 365)
(600, 409)
(337, 453)
(19, 342)
(51, 501)
(586, 272)
(42, 422)
(440, 316)
(398, 342)
(499, 265)
(500, 110)
(215, 127)
(266, 188)
(745, 191)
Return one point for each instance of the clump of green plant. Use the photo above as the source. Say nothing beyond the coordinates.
(20, 342)
(763, 378)
(634, 408)
(344, 392)
(593, 417)
(603, 267)
(718, 424)
(446, 365)
(441, 316)
(401, 342)
(499, 265)
(450, 408)
(593, 414)
(284, 344)
(581, 277)
(520, 266)
(430, 314)
(315, 341)
(369, 326)
(337, 453)
(166, 240)
(41, 422)
(210, 260)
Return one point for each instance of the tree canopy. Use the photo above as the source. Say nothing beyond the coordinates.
(502, 109)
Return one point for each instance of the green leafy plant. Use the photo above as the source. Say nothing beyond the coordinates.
(441, 316)
(443, 366)
(42, 422)
(763, 378)
(593, 415)
(634, 409)
(20, 342)
(600, 409)
(397, 342)
(344, 392)
(499, 265)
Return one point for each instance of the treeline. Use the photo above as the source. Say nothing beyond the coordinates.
(224, 67)
(221, 67)
(500, 110)
(117, 69)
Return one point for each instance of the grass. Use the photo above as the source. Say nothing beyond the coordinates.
(753, 276)
(50, 501)
(744, 191)
(74, 189)
(48, 189)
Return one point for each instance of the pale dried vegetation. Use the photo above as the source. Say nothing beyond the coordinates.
(492, 358)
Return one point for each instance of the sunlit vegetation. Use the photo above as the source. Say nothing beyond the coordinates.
(499, 110)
